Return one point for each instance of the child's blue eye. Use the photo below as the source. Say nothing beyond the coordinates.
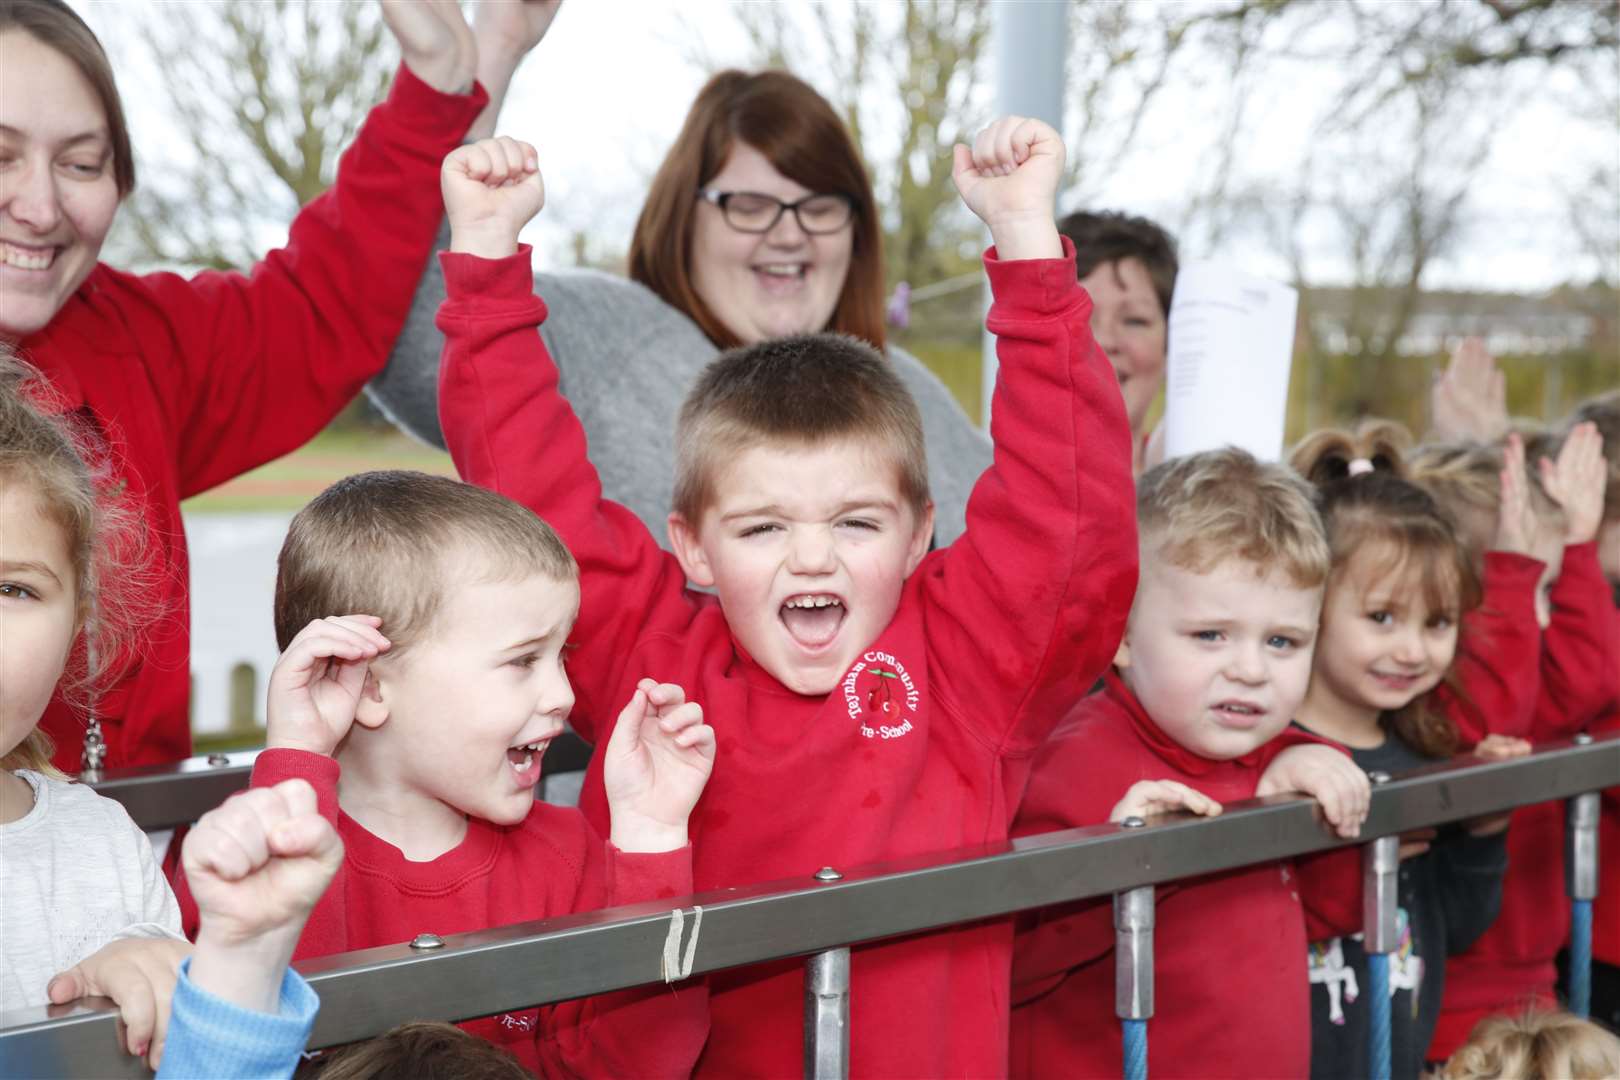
(1382, 618)
(758, 530)
(526, 661)
(1282, 641)
(1207, 635)
(11, 590)
(860, 523)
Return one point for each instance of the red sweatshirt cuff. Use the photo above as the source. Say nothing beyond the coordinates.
(478, 286)
(1034, 288)
(638, 877)
(1508, 567)
(271, 767)
(436, 120)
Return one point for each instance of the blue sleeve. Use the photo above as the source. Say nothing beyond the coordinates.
(210, 1037)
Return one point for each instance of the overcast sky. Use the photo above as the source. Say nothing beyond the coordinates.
(606, 92)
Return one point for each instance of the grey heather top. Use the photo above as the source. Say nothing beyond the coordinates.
(625, 360)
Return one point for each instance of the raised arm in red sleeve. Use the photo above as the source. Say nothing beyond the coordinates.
(1496, 677)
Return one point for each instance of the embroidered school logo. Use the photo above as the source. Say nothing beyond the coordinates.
(881, 696)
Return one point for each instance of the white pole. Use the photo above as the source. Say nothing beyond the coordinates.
(1029, 39)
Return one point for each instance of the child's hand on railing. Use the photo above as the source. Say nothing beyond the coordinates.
(491, 189)
(655, 766)
(316, 686)
(1576, 482)
(1010, 180)
(1328, 776)
(1496, 748)
(139, 974)
(1148, 797)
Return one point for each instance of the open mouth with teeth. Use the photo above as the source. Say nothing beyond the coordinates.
(813, 619)
(1239, 714)
(524, 761)
(781, 276)
(27, 256)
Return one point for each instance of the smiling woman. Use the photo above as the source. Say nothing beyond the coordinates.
(187, 383)
(759, 224)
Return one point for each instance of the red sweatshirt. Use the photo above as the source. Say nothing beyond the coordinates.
(1513, 962)
(190, 382)
(1228, 948)
(1495, 678)
(551, 864)
(926, 744)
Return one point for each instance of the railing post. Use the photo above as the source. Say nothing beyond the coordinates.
(1581, 882)
(1133, 974)
(826, 1015)
(1380, 880)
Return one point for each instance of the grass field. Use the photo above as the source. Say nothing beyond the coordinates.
(290, 482)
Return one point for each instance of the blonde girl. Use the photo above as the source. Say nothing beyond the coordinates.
(76, 875)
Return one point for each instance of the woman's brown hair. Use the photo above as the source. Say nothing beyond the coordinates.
(1366, 501)
(803, 138)
(53, 23)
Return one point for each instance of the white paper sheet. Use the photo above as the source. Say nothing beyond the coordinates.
(1231, 346)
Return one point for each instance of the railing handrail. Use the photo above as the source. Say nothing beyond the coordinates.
(163, 796)
(491, 971)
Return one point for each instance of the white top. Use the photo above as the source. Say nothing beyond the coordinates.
(75, 874)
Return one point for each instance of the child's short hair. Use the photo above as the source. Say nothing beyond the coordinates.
(1539, 1045)
(1200, 510)
(1107, 236)
(803, 390)
(106, 538)
(1604, 411)
(421, 1050)
(381, 543)
(1367, 500)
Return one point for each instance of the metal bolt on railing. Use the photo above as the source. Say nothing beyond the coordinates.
(827, 873)
(217, 760)
(427, 941)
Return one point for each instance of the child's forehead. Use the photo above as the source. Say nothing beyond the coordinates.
(29, 532)
(831, 471)
(484, 602)
(1169, 587)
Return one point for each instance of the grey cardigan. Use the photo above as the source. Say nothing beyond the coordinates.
(625, 360)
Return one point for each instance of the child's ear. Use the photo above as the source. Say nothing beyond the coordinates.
(683, 538)
(371, 710)
(920, 539)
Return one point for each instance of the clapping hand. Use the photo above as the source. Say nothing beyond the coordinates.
(434, 41)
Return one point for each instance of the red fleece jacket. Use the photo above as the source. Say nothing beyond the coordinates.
(185, 384)
(551, 864)
(1512, 964)
(925, 744)
(1229, 949)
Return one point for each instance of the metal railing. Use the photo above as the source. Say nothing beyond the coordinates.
(163, 796)
(492, 971)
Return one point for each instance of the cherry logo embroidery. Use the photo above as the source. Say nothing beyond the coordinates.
(881, 696)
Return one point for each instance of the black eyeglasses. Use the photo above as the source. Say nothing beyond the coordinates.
(752, 212)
